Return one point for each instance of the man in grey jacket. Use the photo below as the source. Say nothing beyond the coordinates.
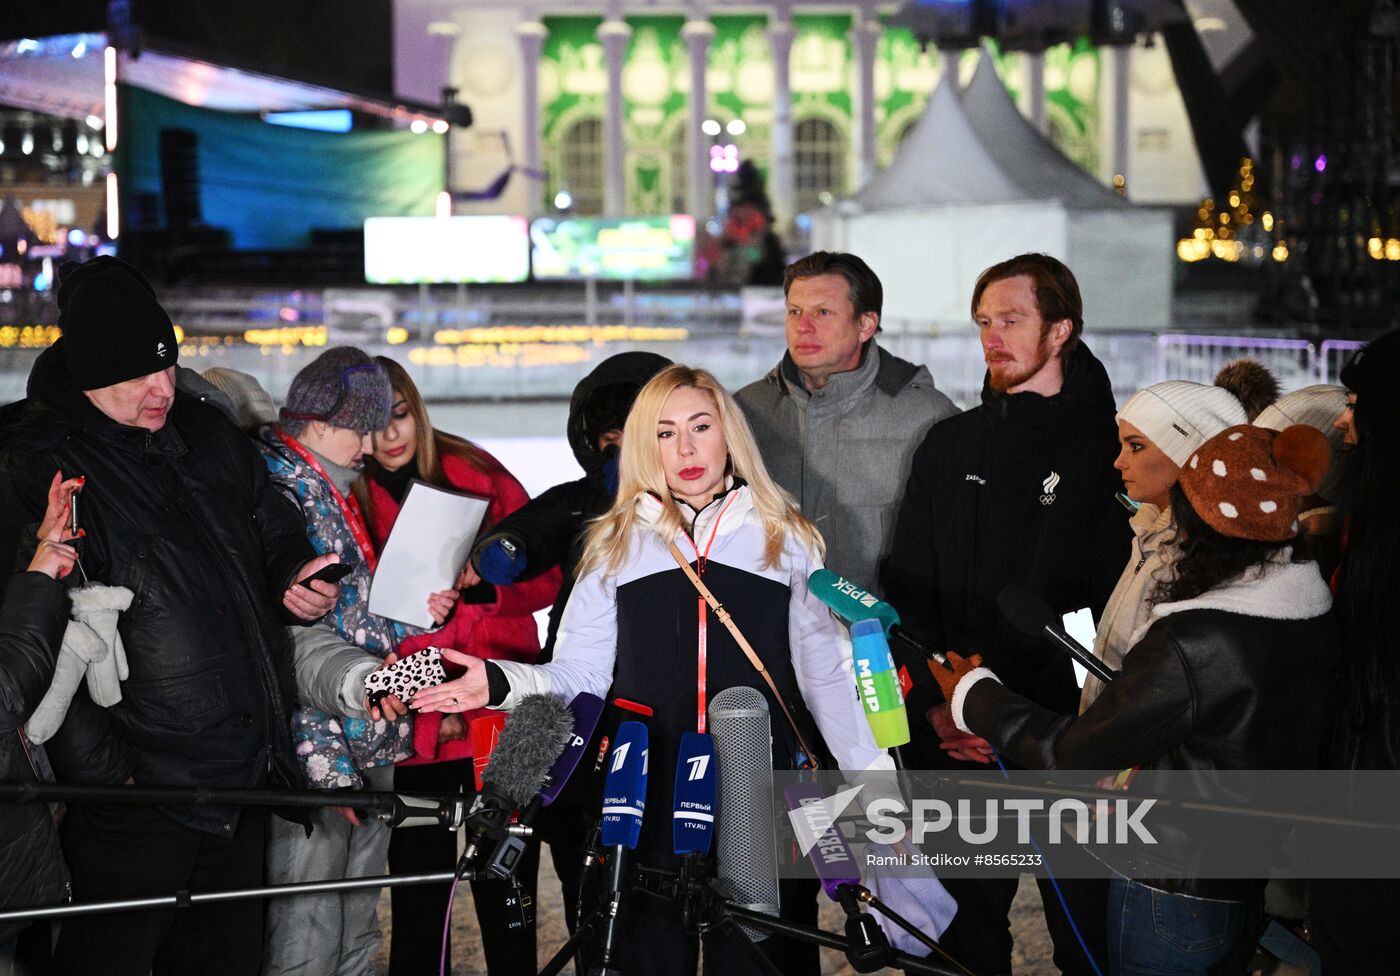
(839, 418)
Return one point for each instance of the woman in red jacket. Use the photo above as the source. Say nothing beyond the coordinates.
(488, 622)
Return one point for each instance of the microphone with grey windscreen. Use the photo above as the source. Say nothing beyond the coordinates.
(746, 839)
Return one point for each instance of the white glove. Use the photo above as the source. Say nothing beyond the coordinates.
(81, 647)
(99, 606)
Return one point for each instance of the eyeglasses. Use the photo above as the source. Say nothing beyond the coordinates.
(343, 388)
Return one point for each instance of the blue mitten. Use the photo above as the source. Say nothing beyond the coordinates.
(500, 560)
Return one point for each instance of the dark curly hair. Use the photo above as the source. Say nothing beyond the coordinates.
(1206, 558)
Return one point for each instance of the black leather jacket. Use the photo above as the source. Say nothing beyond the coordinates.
(32, 621)
(185, 518)
(1204, 689)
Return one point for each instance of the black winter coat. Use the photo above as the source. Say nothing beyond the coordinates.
(32, 621)
(550, 529)
(1017, 490)
(187, 520)
(1204, 689)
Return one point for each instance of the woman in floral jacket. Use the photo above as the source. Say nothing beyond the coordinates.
(313, 454)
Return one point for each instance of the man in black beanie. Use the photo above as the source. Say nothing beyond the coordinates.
(176, 509)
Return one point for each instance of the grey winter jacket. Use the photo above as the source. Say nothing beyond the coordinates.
(330, 672)
(844, 451)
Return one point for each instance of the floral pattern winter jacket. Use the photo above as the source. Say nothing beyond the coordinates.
(333, 749)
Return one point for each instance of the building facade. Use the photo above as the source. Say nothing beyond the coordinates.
(616, 106)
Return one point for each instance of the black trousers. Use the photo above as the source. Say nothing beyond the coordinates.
(132, 851)
(419, 911)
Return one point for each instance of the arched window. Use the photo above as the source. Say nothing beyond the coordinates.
(819, 162)
(580, 169)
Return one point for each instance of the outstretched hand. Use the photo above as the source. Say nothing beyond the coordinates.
(54, 558)
(460, 694)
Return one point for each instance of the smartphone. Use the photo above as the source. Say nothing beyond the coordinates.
(333, 573)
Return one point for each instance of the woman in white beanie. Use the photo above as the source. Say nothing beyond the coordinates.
(1158, 429)
(1318, 407)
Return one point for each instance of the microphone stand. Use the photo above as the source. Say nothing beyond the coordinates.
(710, 911)
(395, 809)
(864, 894)
(186, 899)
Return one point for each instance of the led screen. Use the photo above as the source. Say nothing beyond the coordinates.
(446, 250)
(640, 248)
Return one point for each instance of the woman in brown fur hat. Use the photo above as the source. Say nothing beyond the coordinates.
(1229, 674)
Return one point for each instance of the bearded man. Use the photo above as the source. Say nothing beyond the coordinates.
(1017, 490)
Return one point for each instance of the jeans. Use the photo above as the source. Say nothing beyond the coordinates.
(1155, 933)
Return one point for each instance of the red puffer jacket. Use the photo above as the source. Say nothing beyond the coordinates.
(505, 629)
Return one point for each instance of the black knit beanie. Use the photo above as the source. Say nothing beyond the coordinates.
(1372, 372)
(113, 328)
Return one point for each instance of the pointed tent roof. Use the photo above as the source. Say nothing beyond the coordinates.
(942, 160)
(1021, 151)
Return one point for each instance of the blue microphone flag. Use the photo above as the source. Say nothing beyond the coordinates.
(625, 790)
(693, 813)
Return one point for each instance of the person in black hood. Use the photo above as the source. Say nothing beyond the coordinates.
(548, 530)
(1017, 490)
(178, 510)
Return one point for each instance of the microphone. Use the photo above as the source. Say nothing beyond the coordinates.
(852, 603)
(587, 788)
(532, 739)
(878, 684)
(624, 802)
(586, 710)
(867, 948)
(693, 813)
(745, 836)
(693, 817)
(1033, 617)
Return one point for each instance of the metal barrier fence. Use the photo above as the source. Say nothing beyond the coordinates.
(498, 364)
(1332, 355)
(1199, 357)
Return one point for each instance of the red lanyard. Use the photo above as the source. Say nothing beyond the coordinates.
(350, 508)
(702, 640)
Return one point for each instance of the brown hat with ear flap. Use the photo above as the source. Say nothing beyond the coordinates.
(1249, 482)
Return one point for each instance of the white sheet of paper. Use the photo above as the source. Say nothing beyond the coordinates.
(427, 548)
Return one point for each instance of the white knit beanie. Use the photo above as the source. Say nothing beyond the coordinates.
(1317, 407)
(1179, 416)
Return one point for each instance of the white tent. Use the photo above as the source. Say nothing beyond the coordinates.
(975, 183)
